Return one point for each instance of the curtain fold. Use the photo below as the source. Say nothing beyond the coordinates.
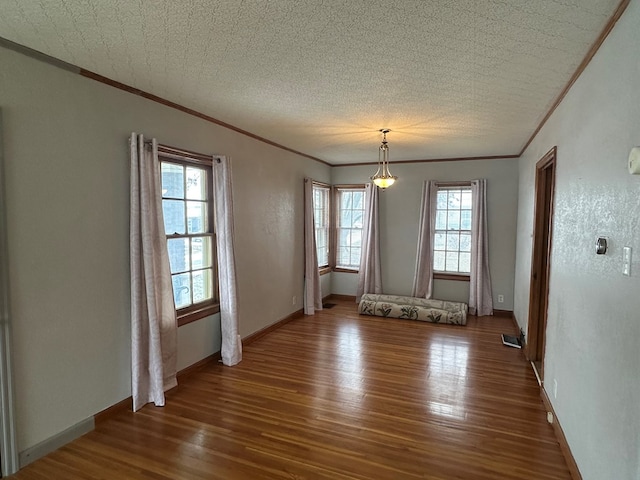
(312, 290)
(423, 276)
(154, 328)
(370, 273)
(231, 350)
(480, 294)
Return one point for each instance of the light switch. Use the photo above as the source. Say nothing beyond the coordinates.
(626, 261)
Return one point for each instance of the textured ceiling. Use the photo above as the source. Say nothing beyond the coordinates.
(450, 78)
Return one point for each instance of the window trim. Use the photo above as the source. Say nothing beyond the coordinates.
(198, 310)
(442, 275)
(459, 277)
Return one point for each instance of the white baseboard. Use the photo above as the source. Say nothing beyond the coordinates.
(47, 446)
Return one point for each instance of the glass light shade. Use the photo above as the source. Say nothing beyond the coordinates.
(384, 182)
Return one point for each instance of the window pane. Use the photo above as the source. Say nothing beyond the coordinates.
(322, 246)
(346, 200)
(465, 262)
(454, 199)
(202, 285)
(465, 220)
(438, 261)
(201, 252)
(452, 261)
(465, 242)
(358, 200)
(345, 218)
(355, 238)
(196, 184)
(453, 240)
(323, 256)
(172, 180)
(197, 217)
(442, 200)
(357, 219)
(173, 213)
(355, 257)
(181, 289)
(466, 199)
(438, 243)
(441, 220)
(343, 237)
(453, 220)
(178, 254)
(344, 256)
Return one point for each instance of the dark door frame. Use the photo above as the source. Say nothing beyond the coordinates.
(541, 260)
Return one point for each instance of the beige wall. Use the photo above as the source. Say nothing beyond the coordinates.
(400, 213)
(67, 206)
(593, 325)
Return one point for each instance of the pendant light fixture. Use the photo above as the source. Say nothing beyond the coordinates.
(383, 178)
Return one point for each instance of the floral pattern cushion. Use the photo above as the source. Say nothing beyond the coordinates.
(412, 308)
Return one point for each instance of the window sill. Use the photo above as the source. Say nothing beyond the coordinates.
(324, 270)
(196, 313)
(345, 270)
(451, 276)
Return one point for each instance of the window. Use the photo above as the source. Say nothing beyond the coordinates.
(452, 241)
(321, 218)
(339, 218)
(188, 221)
(350, 220)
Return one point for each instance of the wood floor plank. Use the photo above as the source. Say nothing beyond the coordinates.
(337, 396)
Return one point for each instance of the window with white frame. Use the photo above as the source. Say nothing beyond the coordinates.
(350, 221)
(321, 218)
(452, 240)
(187, 207)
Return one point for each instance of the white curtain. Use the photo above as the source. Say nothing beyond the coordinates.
(370, 274)
(231, 350)
(154, 329)
(480, 295)
(312, 291)
(423, 277)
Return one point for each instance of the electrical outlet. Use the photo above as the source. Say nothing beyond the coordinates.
(500, 298)
(555, 388)
(293, 301)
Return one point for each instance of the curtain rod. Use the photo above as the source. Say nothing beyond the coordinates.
(166, 149)
(454, 184)
(180, 153)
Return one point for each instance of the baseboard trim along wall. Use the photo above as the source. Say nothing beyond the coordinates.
(335, 296)
(126, 404)
(261, 333)
(53, 443)
(562, 440)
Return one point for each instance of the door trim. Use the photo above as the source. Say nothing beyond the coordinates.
(541, 259)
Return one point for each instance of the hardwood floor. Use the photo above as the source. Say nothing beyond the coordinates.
(337, 396)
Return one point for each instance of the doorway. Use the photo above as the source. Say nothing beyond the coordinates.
(540, 261)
